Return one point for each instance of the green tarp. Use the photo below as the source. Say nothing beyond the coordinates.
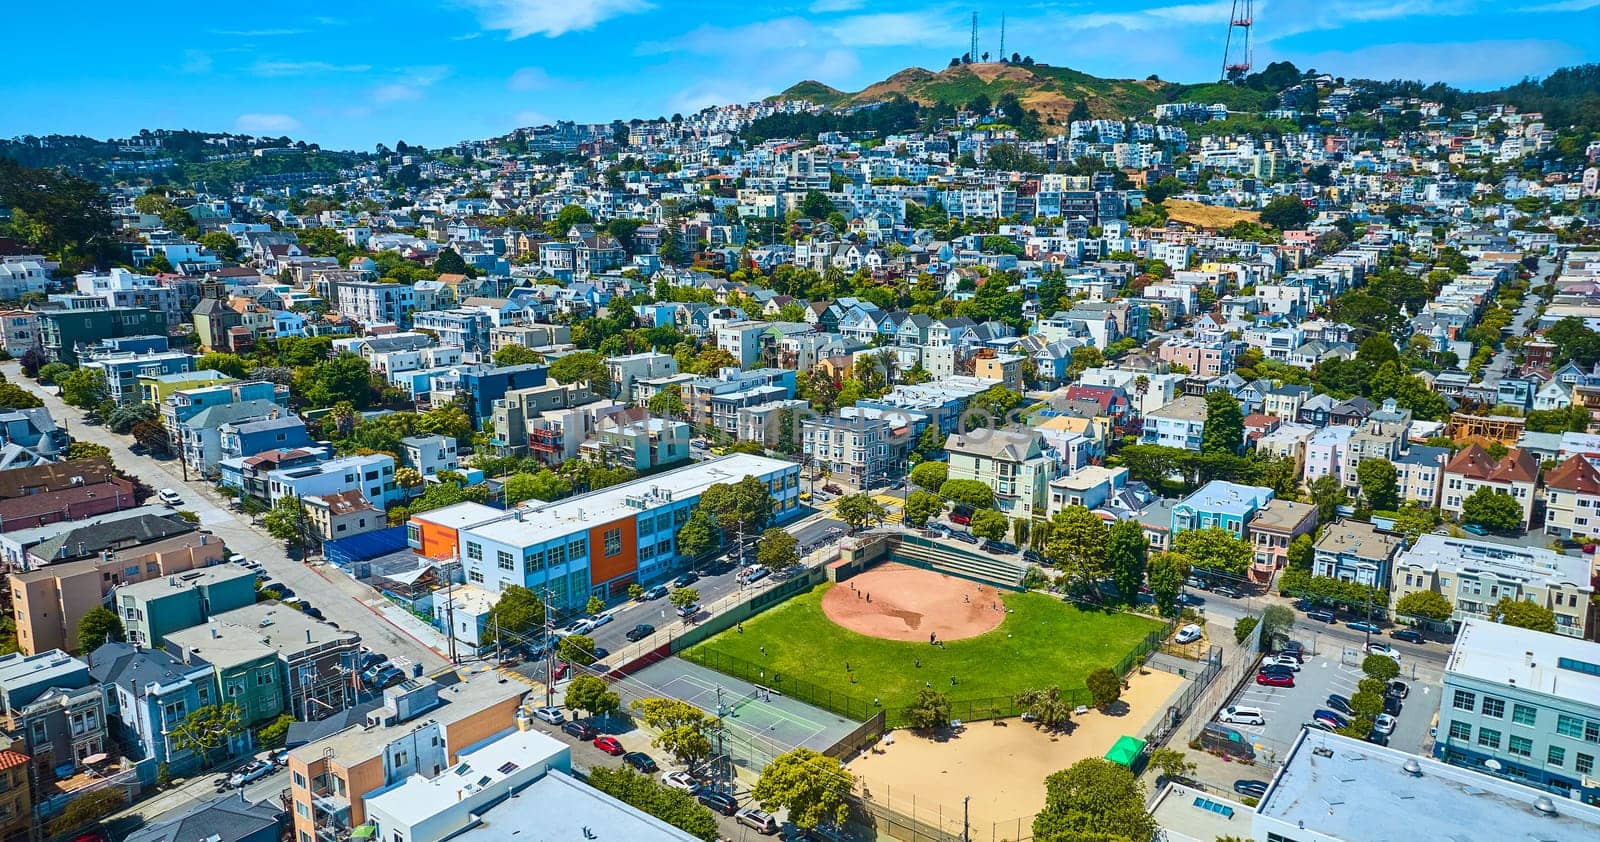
(1125, 751)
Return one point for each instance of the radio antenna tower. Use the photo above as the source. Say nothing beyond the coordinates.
(1002, 37)
(972, 51)
(1236, 51)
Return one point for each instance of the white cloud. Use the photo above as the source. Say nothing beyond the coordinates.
(303, 68)
(1460, 63)
(470, 36)
(528, 118)
(894, 29)
(256, 33)
(825, 6)
(265, 123)
(411, 85)
(195, 61)
(529, 79)
(521, 18)
(887, 29)
(1563, 6)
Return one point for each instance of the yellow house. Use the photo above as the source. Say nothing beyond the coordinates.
(154, 388)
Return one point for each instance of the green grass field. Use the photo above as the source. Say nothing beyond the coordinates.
(1043, 642)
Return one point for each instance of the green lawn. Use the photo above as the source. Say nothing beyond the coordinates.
(1043, 642)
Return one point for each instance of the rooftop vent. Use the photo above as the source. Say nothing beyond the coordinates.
(1412, 768)
(1544, 805)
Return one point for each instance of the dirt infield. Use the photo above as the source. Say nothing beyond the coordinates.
(898, 602)
(1001, 764)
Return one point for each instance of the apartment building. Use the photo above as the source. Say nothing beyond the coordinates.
(372, 475)
(1275, 525)
(1572, 499)
(429, 455)
(1475, 575)
(1203, 359)
(1012, 462)
(1524, 706)
(1355, 551)
(629, 368)
(1178, 424)
(856, 450)
(1516, 474)
(422, 728)
(152, 608)
(271, 658)
(643, 444)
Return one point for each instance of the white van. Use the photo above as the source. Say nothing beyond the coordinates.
(1187, 634)
(1241, 715)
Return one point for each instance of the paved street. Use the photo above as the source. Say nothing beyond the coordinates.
(339, 597)
(1502, 362)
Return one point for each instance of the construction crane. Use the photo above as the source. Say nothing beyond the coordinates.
(1236, 51)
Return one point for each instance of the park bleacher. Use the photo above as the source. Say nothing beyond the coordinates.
(941, 557)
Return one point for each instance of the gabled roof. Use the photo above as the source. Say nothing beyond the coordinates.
(1577, 475)
(1473, 462)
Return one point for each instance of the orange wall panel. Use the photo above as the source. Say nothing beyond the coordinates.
(437, 541)
(604, 568)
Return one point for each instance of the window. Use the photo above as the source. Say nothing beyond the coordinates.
(474, 551)
(1488, 738)
(301, 811)
(400, 758)
(613, 541)
(1584, 763)
(1520, 747)
(504, 559)
(475, 576)
(1524, 714)
(533, 562)
(1569, 726)
(578, 549)
(299, 779)
(1591, 732)
(1460, 731)
(558, 555)
(1556, 756)
(1494, 707)
(1465, 700)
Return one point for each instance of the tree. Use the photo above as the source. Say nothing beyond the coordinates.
(1328, 495)
(1172, 764)
(930, 475)
(84, 388)
(1093, 799)
(594, 606)
(922, 506)
(680, 727)
(229, 364)
(812, 786)
(591, 693)
(576, 649)
(683, 597)
(858, 510)
(288, 522)
(1104, 687)
(509, 355)
(1276, 621)
(1166, 576)
(668, 403)
(518, 611)
(673, 806)
(122, 419)
(13, 396)
(567, 217)
(100, 625)
(86, 809)
(152, 435)
(1302, 551)
(1426, 605)
(1492, 510)
(1243, 627)
(1285, 213)
(275, 733)
(695, 537)
(967, 492)
(1214, 548)
(1224, 428)
(50, 374)
(989, 524)
(1077, 545)
(1379, 484)
(583, 367)
(222, 244)
(1127, 553)
(449, 262)
(1048, 707)
(777, 550)
(1413, 519)
(1524, 614)
(344, 378)
(1381, 667)
(930, 711)
(88, 450)
(546, 485)
(207, 729)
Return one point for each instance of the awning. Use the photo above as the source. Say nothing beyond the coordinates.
(1125, 751)
(366, 831)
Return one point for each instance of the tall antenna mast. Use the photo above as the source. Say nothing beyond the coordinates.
(1236, 50)
(1002, 36)
(972, 51)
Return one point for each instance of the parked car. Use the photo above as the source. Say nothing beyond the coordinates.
(1341, 704)
(1398, 689)
(1384, 649)
(253, 771)
(686, 579)
(1377, 737)
(719, 802)
(1391, 705)
(832, 489)
(656, 592)
(1241, 715)
(640, 761)
(961, 515)
(1338, 719)
(1475, 529)
(1320, 726)
(1195, 582)
(999, 547)
(311, 611)
(1188, 634)
(681, 780)
(370, 659)
(963, 537)
(1250, 787)
(754, 573)
(1282, 661)
(1187, 598)
(1274, 669)
(1224, 590)
(1293, 649)
(388, 678)
(1408, 635)
(601, 652)
(1270, 680)
(610, 746)
(1322, 617)
(688, 611)
(582, 730)
(758, 820)
(640, 632)
(1363, 626)
(170, 497)
(600, 619)
(552, 715)
(583, 625)
(370, 673)
(1384, 724)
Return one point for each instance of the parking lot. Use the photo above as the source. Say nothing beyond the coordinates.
(1286, 709)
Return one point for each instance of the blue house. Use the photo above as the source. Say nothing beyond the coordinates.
(148, 694)
(247, 438)
(1220, 504)
(484, 384)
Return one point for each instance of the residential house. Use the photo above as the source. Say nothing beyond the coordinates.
(643, 444)
(341, 515)
(222, 820)
(148, 695)
(858, 450)
(1178, 424)
(1516, 474)
(372, 475)
(1012, 462)
(1355, 551)
(295, 663)
(1473, 576)
(1275, 525)
(626, 370)
(1572, 499)
(428, 455)
(1219, 505)
(52, 704)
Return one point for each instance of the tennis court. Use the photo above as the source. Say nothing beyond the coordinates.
(763, 714)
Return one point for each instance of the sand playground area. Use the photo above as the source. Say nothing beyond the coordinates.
(897, 602)
(1001, 764)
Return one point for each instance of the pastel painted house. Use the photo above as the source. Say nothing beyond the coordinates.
(1220, 504)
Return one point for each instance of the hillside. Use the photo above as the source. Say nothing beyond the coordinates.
(1051, 91)
(1207, 217)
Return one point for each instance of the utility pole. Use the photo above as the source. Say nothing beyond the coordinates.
(549, 647)
(450, 609)
(966, 816)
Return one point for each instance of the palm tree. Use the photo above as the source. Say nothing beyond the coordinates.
(1047, 707)
(888, 363)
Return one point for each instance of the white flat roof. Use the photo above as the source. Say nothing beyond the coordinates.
(420, 798)
(1553, 664)
(557, 808)
(461, 515)
(542, 521)
(1506, 561)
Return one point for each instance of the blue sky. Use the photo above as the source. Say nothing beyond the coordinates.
(350, 75)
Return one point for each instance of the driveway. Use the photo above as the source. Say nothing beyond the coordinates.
(324, 586)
